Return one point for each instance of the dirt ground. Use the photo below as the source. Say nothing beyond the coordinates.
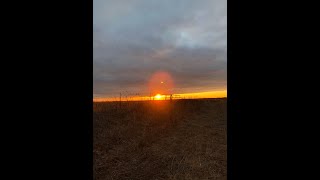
(183, 139)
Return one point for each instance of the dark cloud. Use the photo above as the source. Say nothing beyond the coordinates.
(135, 38)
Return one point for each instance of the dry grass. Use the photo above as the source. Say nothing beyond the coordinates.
(186, 139)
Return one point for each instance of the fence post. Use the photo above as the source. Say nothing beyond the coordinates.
(171, 110)
(120, 101)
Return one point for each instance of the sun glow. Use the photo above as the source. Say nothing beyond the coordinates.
(158, 97)
(161, 82)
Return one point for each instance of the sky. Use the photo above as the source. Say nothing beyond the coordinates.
(135, 39)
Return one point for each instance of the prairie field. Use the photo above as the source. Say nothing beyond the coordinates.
(146, 140)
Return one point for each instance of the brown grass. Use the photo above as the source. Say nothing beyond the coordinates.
(185, 139)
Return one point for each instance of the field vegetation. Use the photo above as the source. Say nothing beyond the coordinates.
(145, 140)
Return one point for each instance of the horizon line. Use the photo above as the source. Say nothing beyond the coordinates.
(198, 95)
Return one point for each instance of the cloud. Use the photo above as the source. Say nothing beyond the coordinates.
(134, 38)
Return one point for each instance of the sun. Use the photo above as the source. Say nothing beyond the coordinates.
(158, 97)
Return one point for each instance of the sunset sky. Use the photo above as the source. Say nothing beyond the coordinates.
(135, 39)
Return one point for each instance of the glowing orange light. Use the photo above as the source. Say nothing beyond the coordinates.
(158, 96)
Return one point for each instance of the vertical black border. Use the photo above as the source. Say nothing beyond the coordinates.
(67, 85)
(242, 161)
(256, 103)
(51, 92)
